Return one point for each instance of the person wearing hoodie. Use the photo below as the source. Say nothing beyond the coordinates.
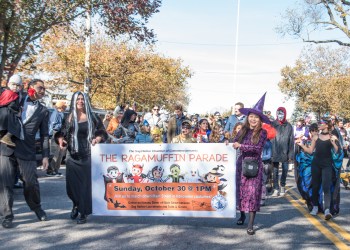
(144, 135)
(282, 150)
(128, 128)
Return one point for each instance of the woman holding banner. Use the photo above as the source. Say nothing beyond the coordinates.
(79, 131)
(250, 141)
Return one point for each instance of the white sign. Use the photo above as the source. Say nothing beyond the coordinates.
(195, 180)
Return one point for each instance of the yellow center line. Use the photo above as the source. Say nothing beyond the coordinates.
(326, 232)
(331, 223)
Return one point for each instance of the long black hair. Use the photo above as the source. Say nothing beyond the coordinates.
(73, 118)
(125, 121)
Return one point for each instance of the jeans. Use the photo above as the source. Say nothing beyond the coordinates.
(58, 155)
(283, 176)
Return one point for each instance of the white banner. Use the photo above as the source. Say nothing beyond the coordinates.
(194, 180)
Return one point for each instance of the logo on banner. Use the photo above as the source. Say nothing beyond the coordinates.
(218, 202)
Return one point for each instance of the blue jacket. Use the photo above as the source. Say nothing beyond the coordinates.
(231, 122)
(267, 151)
(143, 138)
(55, 122)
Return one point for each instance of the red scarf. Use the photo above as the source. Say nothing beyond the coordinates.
(7, 97)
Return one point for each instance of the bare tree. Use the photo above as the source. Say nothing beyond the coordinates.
(310, 16)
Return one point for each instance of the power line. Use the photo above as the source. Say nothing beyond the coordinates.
(230, 45)
(239, 45)
(232, 73)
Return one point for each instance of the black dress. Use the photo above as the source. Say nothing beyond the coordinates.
(78, 162)
(78, 171)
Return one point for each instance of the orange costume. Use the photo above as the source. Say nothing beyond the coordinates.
(112, 125)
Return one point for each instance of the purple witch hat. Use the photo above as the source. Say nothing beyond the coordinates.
(257, 109)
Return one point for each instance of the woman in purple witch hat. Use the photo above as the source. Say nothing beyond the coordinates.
(250, 141)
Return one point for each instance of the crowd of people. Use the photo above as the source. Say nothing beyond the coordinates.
(261, 141)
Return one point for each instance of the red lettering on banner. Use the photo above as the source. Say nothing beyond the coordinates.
(108, 158)
(191, 157)
(208, 157)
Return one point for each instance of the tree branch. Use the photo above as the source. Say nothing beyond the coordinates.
(339, 8)
(345, 2)
(328, 41)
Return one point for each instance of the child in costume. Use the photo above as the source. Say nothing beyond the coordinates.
(9, 110)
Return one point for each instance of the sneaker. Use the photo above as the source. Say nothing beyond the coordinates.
(41, 215)
(7, 223)
(58, 174)
(283, 190)
(314, 211)
(275, 193)
(327, 214)
(262, 202)
(18, 185)
(51, 174)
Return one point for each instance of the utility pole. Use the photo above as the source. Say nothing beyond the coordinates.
(87, 82)
(236, 54)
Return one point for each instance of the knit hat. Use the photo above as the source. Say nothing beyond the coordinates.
(16, 79)
(145, 123)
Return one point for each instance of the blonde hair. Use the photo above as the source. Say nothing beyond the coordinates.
(215, 134)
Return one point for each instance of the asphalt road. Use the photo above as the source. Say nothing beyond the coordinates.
(282, 224)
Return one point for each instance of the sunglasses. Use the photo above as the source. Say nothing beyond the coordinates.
(40, 88)
(186, 127)
(155, 109)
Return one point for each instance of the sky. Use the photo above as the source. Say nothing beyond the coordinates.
(203, 34)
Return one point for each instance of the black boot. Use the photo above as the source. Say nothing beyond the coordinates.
(82, 219)
(74, 213)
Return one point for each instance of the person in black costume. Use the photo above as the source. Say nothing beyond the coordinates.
(322, 165)
(35, 117)
(79, 131)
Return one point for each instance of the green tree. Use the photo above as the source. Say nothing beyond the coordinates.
(23, 23)
(297, 114)
(319, 80)
(310, 17)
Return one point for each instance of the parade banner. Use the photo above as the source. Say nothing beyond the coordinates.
(194, 180)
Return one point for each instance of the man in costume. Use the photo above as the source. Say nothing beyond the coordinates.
(282, 150)
(35, 117)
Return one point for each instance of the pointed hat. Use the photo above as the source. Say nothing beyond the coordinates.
(257, 109)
